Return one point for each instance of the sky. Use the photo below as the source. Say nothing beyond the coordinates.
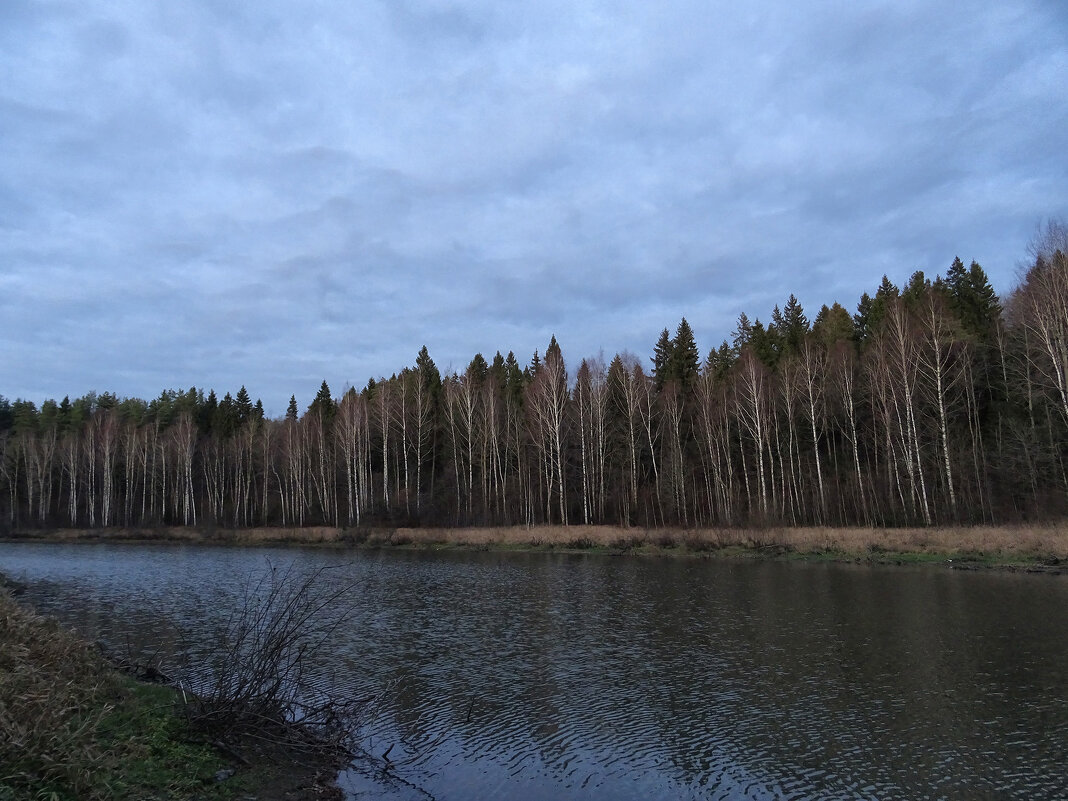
(272, 194)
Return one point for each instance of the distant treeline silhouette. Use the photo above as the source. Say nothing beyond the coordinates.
(935, 403)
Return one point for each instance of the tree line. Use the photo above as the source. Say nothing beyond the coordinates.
(934, 403)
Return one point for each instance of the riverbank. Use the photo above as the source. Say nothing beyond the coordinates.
(73, 727)
(1042, 548)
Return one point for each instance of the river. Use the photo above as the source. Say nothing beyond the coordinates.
(575, 676)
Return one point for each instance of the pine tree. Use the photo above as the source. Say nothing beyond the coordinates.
(291, 410)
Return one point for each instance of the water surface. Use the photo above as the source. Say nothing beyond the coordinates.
(540, 675)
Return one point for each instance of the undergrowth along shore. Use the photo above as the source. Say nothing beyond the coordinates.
(73, 728)
(1043, 547)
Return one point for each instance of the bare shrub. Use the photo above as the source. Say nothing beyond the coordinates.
(260, 685)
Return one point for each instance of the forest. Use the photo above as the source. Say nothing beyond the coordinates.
(935, 403)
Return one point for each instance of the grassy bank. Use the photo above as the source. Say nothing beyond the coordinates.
(1044, 546)
(72, 727)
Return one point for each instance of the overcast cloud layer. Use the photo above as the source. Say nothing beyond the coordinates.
(274, 193)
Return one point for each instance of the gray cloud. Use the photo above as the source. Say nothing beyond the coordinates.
(212, 195)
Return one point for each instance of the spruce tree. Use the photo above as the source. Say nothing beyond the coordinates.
(685, 363)
(720, 361)
(662, 353)
(291, 410)
(531, 371)
(323, 404)
(477, 370)
(224, 421)
(794, 325)
(833, 324)
(206, 412)
(428, 372)
(915, 289)
(514, 380)
(243, 405)
(743, 331)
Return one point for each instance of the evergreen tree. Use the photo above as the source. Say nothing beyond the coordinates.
(257, 410)
(685, 362)
(65, 419)
(514, 380)
(720, 361)
(871, 311)
(477, 370)
(973, 300)
(206, 412)
(428, 374)
(25, 416)
(7, 418)
(323, 405)
(662, 353)
(764, 343)
(742, 333)
(553, 351)
(532, 370)
(833, 324)
(862, 322)
(224, 422)
(291, 410)
(49, 417)
(794, 326)
(916, 289)
(243, 405)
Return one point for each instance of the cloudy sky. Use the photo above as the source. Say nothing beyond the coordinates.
(213, 193)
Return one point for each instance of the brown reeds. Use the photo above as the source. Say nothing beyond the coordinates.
(54, 691)
(1035, 542)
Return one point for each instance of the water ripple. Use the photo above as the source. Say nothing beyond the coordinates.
(534, 676)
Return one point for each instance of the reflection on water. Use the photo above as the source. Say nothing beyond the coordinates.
(535, 676)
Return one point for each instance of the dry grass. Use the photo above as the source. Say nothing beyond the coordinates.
(1003, 540)
(999, 541)
(54, 691)
(71, 728)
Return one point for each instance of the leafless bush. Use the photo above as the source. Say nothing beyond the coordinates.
(260, 685)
